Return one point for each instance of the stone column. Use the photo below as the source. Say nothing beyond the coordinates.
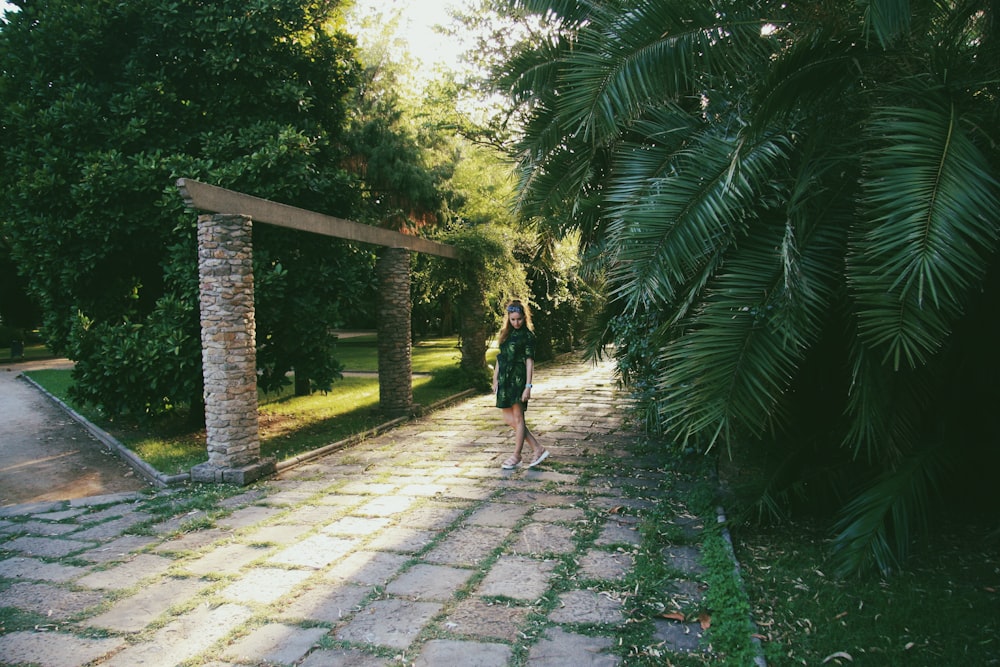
(394, 350)
(228, 351)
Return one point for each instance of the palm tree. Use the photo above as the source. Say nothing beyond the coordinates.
(796, 209)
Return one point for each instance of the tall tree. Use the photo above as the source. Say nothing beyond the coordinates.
(102, 106)
(795, 205)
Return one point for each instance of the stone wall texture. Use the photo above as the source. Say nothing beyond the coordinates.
(228, 340)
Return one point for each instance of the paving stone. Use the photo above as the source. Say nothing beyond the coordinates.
(134, 613)
(36, 570)
(371, 568)
(691, 526)
(560, 515)
(439, 652)
(367, 488)
(300, 486)
(328, 604)
(46, 547)
(117, 549)
(615, 532)
(597, 564)
(544, 538)
(287, 498)
(342, 500)
(543, 474)
(264, 585)
(61, 515)
(385, 506)
(434, 516)
(559, 648)
(184, 637)
(684, 559)
(111, 529)
(424, 490)
(586, 607)
(128, 574)
(227, 559)
(49, 601)
(274, 643)
(467, 546)
(344, 657)
(392, 622)
(356, 525)
(317, 551)
(517, 577)
(54, 649)
(45, 528)
(497, 514)
(247, 516)
(194, 541)
(684, 593)
(404, 540)
(470, 492)
(476, 618)
(102, 515)
(429, 582)
(313, 514)
(540, 499)
(247, 498)
(676, 636)
(281, 533)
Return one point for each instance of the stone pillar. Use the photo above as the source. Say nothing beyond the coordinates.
(394, 347)
(228, 351)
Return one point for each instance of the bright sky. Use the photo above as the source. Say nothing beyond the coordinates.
(417, 27)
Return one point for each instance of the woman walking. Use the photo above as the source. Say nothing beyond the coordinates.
(512, 374)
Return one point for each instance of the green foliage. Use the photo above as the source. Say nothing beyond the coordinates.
(290, 424)
(794, 206)
(247, 95)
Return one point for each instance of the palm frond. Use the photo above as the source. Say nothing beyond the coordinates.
(878, 526)
(651, 53)
(929, 231)
(884, 408)
(670, 217)
(887, 20)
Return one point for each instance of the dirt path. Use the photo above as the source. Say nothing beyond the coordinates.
(44, 454)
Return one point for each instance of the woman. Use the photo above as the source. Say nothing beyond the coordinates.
(512, 380)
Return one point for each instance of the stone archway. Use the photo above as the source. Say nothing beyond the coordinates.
(228, 330)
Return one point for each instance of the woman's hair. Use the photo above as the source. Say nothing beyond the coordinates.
(513, 306)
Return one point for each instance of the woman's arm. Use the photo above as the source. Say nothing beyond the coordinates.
(529, 367)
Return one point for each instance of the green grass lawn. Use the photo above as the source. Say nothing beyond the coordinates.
(31, 352)
(941, 610)
(289, 425)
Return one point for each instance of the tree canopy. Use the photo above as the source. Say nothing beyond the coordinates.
(796, 209)
(102, 106)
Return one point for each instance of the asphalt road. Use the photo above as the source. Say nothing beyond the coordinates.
(44, 454)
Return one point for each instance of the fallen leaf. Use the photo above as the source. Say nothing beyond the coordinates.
(705, 620)
(838, 654)
(840, 615)
(674, 616)
(989, 589)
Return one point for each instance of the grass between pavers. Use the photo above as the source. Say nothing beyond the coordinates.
(641, 592)
(289, 425)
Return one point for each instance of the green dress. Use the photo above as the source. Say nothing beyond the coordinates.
(512, 375)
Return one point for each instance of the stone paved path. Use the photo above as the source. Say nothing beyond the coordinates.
(410, 548)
